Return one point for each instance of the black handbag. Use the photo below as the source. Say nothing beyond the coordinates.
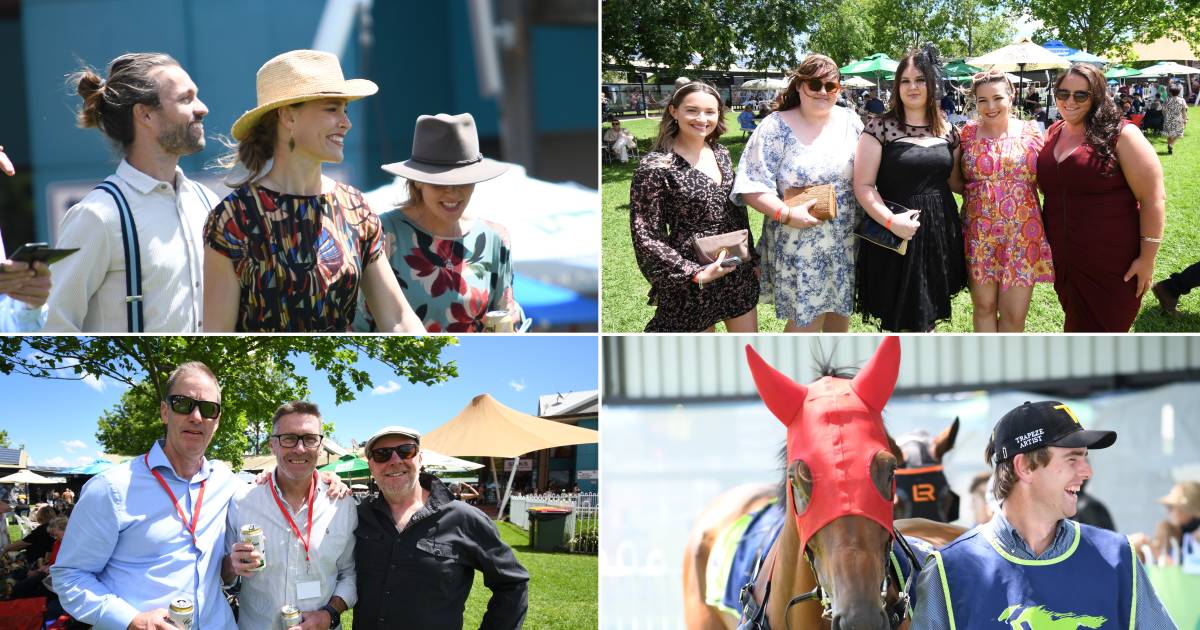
(871, 231)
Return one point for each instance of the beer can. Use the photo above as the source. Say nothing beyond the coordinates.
(290, 616)
(253, 534)
(498, 322)
(181, 613)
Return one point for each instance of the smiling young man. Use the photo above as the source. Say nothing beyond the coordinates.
(418, 548)
(139, 233)
(309, 538)
(152, 529)
(1031, 565)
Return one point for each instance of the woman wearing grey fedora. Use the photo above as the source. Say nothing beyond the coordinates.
(289, 248)
(453, 269)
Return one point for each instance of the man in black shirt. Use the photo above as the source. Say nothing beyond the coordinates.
(417, 549)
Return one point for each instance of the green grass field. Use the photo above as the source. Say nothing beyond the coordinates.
(562, 587)
(624, 288)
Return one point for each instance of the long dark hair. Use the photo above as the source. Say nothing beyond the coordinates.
(668, 128)
(814, 66)
(926, 62)
(1102, 124)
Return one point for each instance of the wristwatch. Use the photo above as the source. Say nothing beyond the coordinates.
(334, 616)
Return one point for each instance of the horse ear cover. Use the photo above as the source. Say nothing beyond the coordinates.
(783, 396)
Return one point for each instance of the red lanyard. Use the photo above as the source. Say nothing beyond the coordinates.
(312, 492)
(182, 516)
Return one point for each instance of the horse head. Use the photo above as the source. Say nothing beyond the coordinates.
(840, 478)
(922, 489)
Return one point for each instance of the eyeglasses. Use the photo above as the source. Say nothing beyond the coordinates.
(815, 85)
(383, 454)
(185, 404)
(1080, 96)
(290, 440)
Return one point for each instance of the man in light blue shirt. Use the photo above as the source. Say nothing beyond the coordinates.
(153, 529)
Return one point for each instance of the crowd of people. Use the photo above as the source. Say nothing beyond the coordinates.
(289, 249)
(890, 170)
(173, 525)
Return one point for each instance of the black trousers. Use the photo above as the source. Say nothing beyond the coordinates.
(1180, 282)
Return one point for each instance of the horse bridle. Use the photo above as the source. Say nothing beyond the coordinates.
(896, 612)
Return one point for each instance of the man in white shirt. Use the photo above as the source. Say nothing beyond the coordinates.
(23, 287)
(149, 109)
(309, 538)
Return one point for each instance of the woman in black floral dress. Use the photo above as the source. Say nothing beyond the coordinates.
(680, 192)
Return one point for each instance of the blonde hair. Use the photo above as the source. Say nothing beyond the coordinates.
(991, 75)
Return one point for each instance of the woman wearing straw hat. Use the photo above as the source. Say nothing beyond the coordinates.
(289, 248)
(453, 269)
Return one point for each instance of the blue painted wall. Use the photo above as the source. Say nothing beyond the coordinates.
(587, 457)
(422, 59)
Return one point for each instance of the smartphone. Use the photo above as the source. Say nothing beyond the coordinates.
(732, 261)
(40, 252)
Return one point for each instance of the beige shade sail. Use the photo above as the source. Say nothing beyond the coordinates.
(28, 476)
(1022, 56)
(486, 428)
(1164, 49)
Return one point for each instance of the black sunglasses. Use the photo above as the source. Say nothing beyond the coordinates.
(1080, 96)
(185, 404)
(815, 85)
(383, 454)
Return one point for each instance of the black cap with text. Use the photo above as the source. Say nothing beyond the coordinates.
(1035, 425)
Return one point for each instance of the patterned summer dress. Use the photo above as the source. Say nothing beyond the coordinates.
(451, 283)
(298, 259)
(671, 203)
(1002, 222)
(1173, 116)
(810, 271)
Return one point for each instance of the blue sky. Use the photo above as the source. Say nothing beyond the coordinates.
(56, 420)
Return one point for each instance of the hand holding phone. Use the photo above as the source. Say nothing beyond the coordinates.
(732, 261)
(40, 252)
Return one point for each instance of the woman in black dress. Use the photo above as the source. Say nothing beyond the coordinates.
(909, 156)
(680, 192)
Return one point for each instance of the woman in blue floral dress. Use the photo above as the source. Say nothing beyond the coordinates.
(807, 263)
(453, 269)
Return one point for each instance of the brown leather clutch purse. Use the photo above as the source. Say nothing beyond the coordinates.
(734, 243)
(826, 207)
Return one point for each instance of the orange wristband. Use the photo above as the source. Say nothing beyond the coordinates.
(888, 225)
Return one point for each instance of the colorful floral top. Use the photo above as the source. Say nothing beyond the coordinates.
(298, 259)
(1002, 219)
(451, 283)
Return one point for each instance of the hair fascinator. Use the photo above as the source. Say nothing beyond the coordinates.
(934, 70)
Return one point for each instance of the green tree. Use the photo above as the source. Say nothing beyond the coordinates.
(1111, 27)
(843, 32)
(977, 27)
(707, 33)
(4, 443)
(258, 373)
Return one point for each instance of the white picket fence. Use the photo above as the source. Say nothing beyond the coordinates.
(583, 524)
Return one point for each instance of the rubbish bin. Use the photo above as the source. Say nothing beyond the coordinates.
(547, 527)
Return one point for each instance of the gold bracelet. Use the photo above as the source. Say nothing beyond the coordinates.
(1151, 239)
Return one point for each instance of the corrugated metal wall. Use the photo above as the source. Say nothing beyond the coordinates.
(646, 368)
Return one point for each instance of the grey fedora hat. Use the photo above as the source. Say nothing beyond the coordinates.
(446, 153)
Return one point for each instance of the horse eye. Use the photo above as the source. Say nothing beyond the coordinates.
(800, 480)
(883, 474)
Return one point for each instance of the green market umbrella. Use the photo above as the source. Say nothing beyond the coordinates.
(876, 64)
(1120, 72)
(959, 69)
(348, 466)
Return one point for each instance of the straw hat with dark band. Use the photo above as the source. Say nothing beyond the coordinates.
(446, 153)
(297, 76)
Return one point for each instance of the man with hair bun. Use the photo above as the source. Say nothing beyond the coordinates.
(1031, 566)
(139, 232)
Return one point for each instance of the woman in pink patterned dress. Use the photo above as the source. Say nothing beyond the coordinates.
(1007, 252)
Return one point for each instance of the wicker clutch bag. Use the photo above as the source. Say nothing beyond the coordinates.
(826, 207)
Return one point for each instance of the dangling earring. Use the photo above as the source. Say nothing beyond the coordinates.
(291, 143)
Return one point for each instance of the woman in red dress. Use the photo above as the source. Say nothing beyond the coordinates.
(1104, 205)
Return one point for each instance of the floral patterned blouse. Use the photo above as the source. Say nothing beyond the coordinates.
(298, 259)
(451, 283)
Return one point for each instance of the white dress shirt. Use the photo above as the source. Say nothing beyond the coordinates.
(88, 292)
(330, 552)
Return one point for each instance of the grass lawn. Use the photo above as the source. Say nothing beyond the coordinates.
(624, 288)
(562, 587)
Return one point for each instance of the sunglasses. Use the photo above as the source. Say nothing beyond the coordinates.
(383, 454)
(815, 85)
(1079, 95)
(185, 404)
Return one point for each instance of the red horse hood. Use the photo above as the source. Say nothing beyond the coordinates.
(834, 426)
